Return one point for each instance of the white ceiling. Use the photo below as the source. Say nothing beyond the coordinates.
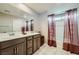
(40, 7)
(43, 7)
(8, 9)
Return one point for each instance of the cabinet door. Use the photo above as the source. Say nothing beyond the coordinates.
(29, 47)
(29, 51)
(8, 51)
(38, 42)
(21, 48)
(42, 40)
(29, 43)
(35, 45)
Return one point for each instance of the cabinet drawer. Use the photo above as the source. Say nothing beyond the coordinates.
(29, 43)
(8, 51)
(11, 43)
(28, 38)
(29, 51)
(36, 36)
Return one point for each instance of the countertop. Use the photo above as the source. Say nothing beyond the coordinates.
(8, 37)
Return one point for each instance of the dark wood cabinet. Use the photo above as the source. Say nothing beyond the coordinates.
(42, 40)
(36, 42)
(21, 49)
(18, 49)
(8, 51)
(29, 47)
(20, 46)
(33, 44)
(13, 47)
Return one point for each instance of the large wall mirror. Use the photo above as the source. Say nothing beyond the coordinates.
(10, 23)
(6, 23)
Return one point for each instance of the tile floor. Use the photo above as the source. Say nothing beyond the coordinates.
(46, 50)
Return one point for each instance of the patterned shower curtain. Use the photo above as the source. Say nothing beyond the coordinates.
(51, 31)
(71, 41)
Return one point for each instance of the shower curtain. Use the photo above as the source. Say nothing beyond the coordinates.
(51, 31)
(71, 41)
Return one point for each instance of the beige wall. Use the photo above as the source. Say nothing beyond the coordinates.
(44, 25)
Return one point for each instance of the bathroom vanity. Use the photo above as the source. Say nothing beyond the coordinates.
(20, 44)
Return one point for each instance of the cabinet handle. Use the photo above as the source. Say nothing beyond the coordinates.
(15, 50)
